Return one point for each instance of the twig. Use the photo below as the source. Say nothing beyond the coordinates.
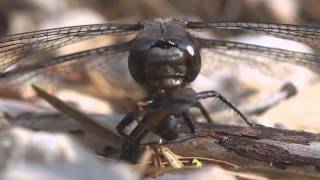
(88, 123)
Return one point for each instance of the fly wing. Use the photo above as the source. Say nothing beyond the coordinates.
(18, 47)
(309, 35)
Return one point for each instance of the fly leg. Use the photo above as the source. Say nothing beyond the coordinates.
(214, 94)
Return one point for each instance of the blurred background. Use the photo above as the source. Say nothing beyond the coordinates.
(244, 89)
(107, 97)
(25, 15)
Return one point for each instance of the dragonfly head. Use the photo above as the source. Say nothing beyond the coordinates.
(164, 63)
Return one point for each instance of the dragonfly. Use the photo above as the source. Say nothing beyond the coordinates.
(164, 57)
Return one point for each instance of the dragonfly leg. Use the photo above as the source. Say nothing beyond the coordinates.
(125, 122)
(205, 113)
(131, 148)
(215, 94)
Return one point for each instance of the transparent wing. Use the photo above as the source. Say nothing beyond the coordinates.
(55, 69)
(309, 35)
(19, 46)
(215, 51)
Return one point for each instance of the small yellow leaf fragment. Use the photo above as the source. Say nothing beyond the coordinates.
(197, 163)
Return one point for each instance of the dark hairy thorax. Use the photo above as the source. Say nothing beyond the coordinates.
(163, 28)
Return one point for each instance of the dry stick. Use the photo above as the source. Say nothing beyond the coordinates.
(245, 146)
(88, 123)
(172, 159)
(254, 146)
(277, 173)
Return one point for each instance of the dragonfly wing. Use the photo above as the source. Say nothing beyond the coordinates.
(57, 68)
(309, 35)
(216, 52)
(16, 47)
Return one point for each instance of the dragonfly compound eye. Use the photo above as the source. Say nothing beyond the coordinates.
(164, 65)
